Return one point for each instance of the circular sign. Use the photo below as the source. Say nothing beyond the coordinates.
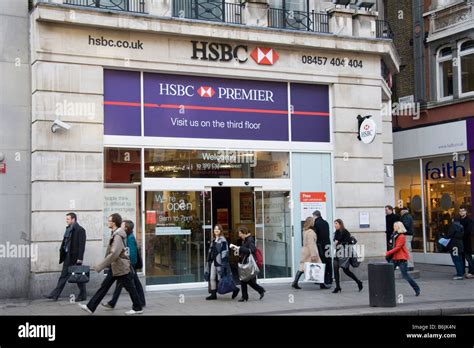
(367, 131)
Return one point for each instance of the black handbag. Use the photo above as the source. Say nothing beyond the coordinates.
(226, 284)
(139, 264)
(79, 274)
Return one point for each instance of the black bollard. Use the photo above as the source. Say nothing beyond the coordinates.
(382, 285)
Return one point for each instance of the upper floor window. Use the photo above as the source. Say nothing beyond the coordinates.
(466, 58)
(445, 73)
(290, 5)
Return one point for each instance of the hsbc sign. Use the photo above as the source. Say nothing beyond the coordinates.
(213, 51)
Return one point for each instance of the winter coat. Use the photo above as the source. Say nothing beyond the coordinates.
(247, 247)
(456, 234)
(399, 251)
(309, 248)
(407, 221)
(321, 227)
(116, 255)
(133, 249)
(219, 255)
(76, 245)
(467, 224)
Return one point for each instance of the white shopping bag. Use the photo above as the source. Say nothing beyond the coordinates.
(314, 272)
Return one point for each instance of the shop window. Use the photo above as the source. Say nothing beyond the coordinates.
(447, 188)
(445, 73)
(408, 194)
(466, 57)
(122, 166)
(161, 163)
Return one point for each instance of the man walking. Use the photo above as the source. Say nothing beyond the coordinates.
(407, 221)
(467, 224)
(390, 219)
(71, 254)
(323, 242)
(120, 271)
(128, 226)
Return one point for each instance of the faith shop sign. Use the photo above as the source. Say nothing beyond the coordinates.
(215, 108)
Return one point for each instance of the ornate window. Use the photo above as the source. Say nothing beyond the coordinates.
(466, 69)
(445, 76)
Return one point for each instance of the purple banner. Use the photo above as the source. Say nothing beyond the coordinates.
(213, 108)
(470, 147)
(310, 113)
(122, 114)
(204, 107)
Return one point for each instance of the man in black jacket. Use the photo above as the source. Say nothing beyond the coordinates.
(390, 219)
(321, 227)
(467, 223)
(71, 253)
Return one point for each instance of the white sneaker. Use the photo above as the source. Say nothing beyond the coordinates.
(458, 278)
(85, 308)
(469, 276)
(106, 306)
(133, 312)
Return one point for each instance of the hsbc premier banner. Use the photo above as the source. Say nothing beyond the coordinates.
(214, 108)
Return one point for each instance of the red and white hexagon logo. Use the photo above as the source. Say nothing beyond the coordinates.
(206, 92)
(264, 55)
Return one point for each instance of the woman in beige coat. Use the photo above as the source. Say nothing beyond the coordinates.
(309, 251)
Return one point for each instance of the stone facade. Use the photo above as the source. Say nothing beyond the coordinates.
(67, 69)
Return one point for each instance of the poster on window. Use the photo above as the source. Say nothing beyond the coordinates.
(311, 201)
(246, 207)
(120, 200)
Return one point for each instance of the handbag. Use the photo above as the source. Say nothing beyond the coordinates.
(139, 264)
(226, 284)
(249, 270)
(314, 272)
(344, 262)
(78, 274)
(444, 242)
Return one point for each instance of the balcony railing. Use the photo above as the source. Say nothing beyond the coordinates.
(117, 5)
(298, 20)
(383, 30)
(208, 10)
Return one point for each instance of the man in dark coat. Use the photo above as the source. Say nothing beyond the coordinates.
(467, 224)
(390, 219)
(71, 253)
(407, 221)
(321, 227)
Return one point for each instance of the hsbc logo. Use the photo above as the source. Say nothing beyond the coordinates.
(264, 56)
(213, 51)
(206, 92)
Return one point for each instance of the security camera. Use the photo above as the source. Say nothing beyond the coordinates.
(221, 183)
(247, 183)
(58, 124)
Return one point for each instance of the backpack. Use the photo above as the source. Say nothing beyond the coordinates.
(258, 258)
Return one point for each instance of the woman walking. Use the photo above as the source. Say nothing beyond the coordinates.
(309, 252)
(248, 247)
(218, 262)
(342, 238)
(399, 254)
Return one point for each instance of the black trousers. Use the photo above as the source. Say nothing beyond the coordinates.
(138, 286)
(467, 256)
(345, 270)
(63, 280)
(328, 262)
(126, 281)
(253, 284)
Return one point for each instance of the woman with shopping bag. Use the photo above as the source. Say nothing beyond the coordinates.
(309, 251)
(248, 269)
(218, 272)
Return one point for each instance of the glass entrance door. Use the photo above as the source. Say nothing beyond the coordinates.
(176, 225)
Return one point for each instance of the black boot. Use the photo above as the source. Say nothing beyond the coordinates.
(212, 296)
(297, 278)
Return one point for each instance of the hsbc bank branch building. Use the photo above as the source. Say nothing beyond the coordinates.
(187, 114)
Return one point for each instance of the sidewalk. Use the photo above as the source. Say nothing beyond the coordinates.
(439, 296)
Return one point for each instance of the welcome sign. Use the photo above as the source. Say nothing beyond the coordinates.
(214, 108)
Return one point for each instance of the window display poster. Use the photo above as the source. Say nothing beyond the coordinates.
(246, 207)
(121, 200)
(311, 201)
(223, 218)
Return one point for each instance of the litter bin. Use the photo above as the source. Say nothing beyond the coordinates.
(382, 285)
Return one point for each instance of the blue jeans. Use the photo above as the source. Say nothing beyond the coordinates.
(403, 265)
(458, 265)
